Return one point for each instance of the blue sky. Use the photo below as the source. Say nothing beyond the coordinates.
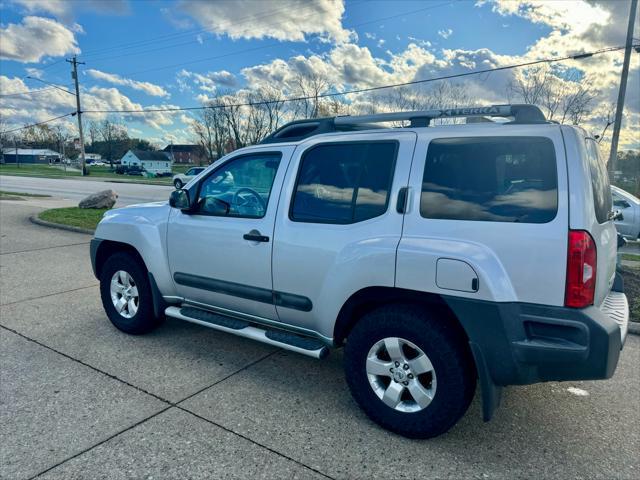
(139, 54)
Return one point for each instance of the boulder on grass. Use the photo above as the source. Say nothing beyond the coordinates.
(102, 199)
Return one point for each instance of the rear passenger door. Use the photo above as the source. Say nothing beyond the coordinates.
(337, 228)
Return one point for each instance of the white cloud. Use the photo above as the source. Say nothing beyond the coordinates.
(98, 98)
(286, 20)
(35, 38)
(34, 72)
(66, 10)
(207, 82)
(573, 15)
(146, 87)
(446, 33)
(24, 109)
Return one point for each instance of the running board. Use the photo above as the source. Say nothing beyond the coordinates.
(277, 338)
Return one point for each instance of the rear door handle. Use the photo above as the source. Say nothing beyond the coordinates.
(255, 236)
(401, 203)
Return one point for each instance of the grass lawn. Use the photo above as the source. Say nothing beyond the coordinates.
(631, 257)
(38, 170)
(18, 195)
(631, 279)
(76, 217)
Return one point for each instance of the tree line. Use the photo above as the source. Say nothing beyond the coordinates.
(565, 97)
(108, 137)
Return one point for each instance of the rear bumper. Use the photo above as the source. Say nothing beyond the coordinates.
(524, 343)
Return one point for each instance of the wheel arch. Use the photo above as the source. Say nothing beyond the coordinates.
(107, 248)
(370, 298)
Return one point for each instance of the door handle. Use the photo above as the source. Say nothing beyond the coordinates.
(255, 236)
(401, 203)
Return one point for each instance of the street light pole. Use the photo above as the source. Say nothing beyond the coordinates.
(74, 75)
(613, 154)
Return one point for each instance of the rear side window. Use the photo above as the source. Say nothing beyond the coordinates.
(344, 182)
(599, 182)
(495, 179)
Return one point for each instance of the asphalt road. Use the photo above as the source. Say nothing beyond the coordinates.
(79, 399)
(77, 189)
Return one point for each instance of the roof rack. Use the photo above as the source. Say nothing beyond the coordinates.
(300, 129)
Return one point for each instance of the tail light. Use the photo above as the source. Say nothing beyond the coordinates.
(581, 270)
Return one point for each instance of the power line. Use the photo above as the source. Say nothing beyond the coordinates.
(39, 123)
(371, 89)
(171, 36)
(253, 49)
(31, 92)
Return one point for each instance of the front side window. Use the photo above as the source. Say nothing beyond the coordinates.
(495, 179)
(240, 187)
(344, 182)
(599, 182)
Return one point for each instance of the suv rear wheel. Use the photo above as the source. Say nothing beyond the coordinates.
(409, 370)
(178, 184)
(126, 294)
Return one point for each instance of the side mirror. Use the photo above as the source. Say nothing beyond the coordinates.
(616, 215)
(214, 206)
(180, 199)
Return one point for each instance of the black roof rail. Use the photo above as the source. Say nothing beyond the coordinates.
(301, 129)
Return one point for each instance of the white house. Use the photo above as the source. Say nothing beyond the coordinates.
(152, 162)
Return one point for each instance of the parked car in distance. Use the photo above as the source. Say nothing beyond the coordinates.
(439, 257)
(181, 179)
(134, 170)
(629, 206)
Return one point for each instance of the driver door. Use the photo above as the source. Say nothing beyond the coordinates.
(220, 253)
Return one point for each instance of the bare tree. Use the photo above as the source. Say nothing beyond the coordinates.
(257, 121)
(209, 127)
(609, 117)
(111, 131)
(273, 104)
(565, 99)
(93, 128)
(309, 87)
(232, 113)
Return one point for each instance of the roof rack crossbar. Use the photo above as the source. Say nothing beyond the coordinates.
(300, 129)
(422, 118)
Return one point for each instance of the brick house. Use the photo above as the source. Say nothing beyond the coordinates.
(187, 154)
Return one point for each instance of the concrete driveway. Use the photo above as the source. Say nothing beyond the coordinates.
(80, 399)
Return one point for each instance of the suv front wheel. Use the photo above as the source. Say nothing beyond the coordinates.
(409, 370)
(126, 294)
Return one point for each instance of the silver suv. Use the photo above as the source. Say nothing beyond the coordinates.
(438, 256)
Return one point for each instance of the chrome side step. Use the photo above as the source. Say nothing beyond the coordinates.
(288, 341)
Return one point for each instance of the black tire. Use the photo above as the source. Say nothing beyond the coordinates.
(178, 184)
(144, 320)
(450, 356)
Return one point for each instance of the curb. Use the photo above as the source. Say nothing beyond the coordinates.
(59, 226)
(634, 328)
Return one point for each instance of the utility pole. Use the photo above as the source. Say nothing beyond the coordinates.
(15, 145)
(613, 154)
(74, 74)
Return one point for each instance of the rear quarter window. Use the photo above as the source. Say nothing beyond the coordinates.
(495, 179)
(599, 182)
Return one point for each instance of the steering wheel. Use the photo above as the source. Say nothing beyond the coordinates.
(237, 196)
